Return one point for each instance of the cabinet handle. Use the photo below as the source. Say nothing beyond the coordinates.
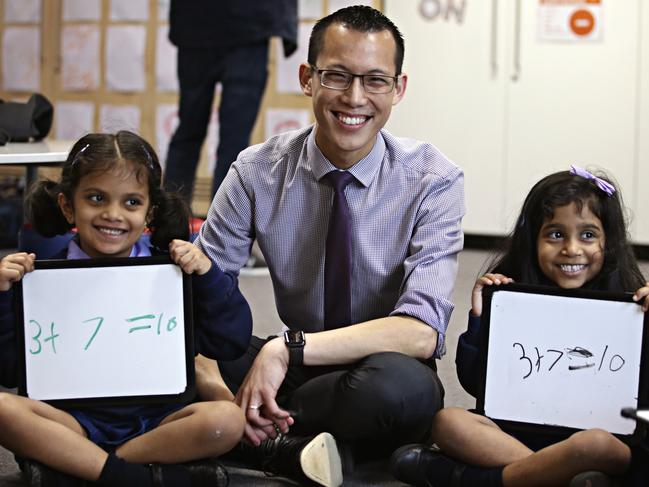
(494, 38)
(516, 73)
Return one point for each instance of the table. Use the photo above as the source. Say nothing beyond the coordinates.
(34, 154)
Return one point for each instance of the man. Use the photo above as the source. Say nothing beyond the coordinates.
(221, 41)
(357, 362)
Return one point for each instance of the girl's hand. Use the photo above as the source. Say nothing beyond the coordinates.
(486, 280)
(13, 267)
(641, 294)
(189, 257)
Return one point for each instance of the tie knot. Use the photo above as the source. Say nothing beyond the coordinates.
(339, 180)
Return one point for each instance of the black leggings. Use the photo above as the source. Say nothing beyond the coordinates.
(385, 399)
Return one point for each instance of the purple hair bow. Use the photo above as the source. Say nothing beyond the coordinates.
(605, 186)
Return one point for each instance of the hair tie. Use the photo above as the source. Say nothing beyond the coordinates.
(605, 186)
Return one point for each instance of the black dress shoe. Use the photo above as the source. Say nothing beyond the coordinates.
(306, 459)
(425, 466)
(208, 472)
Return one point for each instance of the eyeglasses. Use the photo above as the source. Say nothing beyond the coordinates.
(342, 80)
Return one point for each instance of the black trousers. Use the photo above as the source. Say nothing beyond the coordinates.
(242, 72)
(379, 403)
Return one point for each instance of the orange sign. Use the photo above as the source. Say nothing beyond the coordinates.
(582, 22)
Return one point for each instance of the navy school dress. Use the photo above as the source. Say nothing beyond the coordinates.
(222, 331)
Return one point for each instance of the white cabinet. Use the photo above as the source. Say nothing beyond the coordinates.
(510, 108)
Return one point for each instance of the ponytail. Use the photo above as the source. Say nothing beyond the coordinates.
(43, 211)
(170, 219)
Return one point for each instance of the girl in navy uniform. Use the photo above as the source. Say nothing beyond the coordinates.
(571, 233)
(110, 190)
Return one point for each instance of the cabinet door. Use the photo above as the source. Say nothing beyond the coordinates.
(640, 218)
(573, 102)
(455, 95)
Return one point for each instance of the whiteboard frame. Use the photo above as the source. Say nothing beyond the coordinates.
(190, 390)
(643, 384)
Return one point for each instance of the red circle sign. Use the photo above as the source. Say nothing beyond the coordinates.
(582, 22)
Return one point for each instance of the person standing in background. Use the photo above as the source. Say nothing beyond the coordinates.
(222, 41)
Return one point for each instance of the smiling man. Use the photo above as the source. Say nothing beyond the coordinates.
(360, 230)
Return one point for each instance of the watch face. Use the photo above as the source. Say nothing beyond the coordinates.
(294, 337)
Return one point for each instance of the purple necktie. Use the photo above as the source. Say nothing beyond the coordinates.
(338, 259)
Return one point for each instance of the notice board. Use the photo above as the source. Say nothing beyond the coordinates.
(106, 330)
(562, 358)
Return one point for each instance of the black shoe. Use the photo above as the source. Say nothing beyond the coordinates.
(592, 479)
(208, 472)
(416, 465)
(38, 475)
(310, 458)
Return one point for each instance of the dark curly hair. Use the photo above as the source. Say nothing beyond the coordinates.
(519, 260)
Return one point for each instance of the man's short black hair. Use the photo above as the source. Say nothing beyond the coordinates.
(362, 19)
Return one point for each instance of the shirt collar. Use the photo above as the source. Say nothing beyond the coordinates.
(364, 170)
(140, 249)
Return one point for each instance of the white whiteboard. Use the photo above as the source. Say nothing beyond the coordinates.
(98, 332)
(564, 361)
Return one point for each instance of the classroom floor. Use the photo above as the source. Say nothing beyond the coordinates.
(257, 287)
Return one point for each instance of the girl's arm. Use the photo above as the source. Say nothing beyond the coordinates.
(467, 357)
(641, 294)
(12, 269)
(222, 317)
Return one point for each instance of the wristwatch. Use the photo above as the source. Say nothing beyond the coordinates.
(295, 341)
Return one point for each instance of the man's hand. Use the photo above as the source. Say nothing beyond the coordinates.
(257, 394)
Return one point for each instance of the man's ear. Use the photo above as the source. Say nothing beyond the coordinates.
(66, 208)
(400, 88)
(306, 78)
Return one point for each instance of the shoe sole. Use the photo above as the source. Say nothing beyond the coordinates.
(320, 461)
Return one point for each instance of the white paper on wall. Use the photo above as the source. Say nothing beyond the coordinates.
(309, 9)
(338, 4)
(21, 54)
(22, 11)
(74, 119)
(80, 57)
(280, 120)
(113, 118)
(129, 10)
(165, 124)
(165, 64)
(80, 10)
(163, 9)
(125, 58)
(288, 68)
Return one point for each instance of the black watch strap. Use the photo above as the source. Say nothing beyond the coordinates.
(295, 341)
(295, 356)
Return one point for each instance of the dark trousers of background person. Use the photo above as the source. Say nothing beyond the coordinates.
(375, 405)
(242, 72)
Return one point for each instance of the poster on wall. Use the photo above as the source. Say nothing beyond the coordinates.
(166, 121)
(280, 120)
(74, 119)
(22, 11)
(80, 58)
(21, 56)
(165, 65)
(113, 118)
(80, 10)
(570, 20)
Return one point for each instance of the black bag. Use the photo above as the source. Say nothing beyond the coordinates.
(23, 122)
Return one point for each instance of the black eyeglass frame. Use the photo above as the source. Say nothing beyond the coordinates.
(320, 71)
